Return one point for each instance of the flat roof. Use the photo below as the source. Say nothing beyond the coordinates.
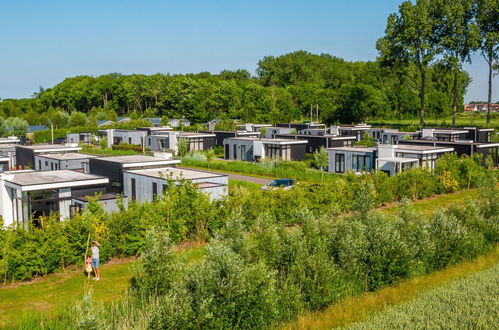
(176, 173)
(191, 134)
(480, 129)
(420, 149)
(353, 128)
(68, 156)
(232, 132)
(50, 147)
(458, 142)
(449, 131)
(325, 136)
(9, 140)
(31, 180)
(353, 149)
(399, 159)
(137, 160)
(269, 141)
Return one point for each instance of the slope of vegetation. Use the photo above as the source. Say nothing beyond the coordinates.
(466, 303)
(278, 272)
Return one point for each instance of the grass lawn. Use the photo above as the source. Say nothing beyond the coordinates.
(238, 183)
(429, 205)
(57, 291)
(360, 309)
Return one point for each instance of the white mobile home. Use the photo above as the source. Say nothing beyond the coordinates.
(25, 155)
(425, 155)
(143, 185)
(254, 149)
(65, 161)
(348, 159)
(26, 195)
(113, 167)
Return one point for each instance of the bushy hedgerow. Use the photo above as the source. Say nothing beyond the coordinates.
(186, 214)
(276, 272)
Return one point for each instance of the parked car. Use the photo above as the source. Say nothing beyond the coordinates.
(285, 184)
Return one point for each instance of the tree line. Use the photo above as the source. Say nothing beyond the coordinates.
(418, 72)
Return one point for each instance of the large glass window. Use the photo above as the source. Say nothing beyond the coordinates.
(361, 163)
(243, 152)
(339, 163)
(134, 192)
(154, 190)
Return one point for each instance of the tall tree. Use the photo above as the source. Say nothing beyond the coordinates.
(459, 39)
(412, 37)
(487, 19)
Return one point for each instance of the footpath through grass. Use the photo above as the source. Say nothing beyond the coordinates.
(56, 291)
(445, 301)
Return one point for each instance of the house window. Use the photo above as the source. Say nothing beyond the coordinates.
(361, 163)
(154, 190)
(134, 193)
(129, 140)
(243, 152)
(149, 141)
(39, 165)
(339, 163)
(235, 151)
(56, 166)
(51, 166)
(46, 163)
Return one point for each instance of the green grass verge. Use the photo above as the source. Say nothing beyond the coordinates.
(293, 170)
(471, 302)
(238, 184)
(374, 304)
(429, 205)
(56, 291)
(107, 151)
(53, 293)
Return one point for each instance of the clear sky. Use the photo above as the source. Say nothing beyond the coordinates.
(43, 42)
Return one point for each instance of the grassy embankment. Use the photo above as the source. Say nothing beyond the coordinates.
(433, 294)
(470, 302)
(51, 293)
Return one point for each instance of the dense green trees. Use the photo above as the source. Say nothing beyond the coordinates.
(418, 71)
(426, 35)
(285, 90)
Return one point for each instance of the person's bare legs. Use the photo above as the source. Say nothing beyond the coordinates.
(96, 273)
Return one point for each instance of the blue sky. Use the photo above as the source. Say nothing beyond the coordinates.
(43, 42)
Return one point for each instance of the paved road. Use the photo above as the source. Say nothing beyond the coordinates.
(241, 177)
(246, 178)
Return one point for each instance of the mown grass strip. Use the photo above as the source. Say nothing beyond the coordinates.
(470, 302)
(358, 309)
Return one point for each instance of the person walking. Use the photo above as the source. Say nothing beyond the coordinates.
(95, 259)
